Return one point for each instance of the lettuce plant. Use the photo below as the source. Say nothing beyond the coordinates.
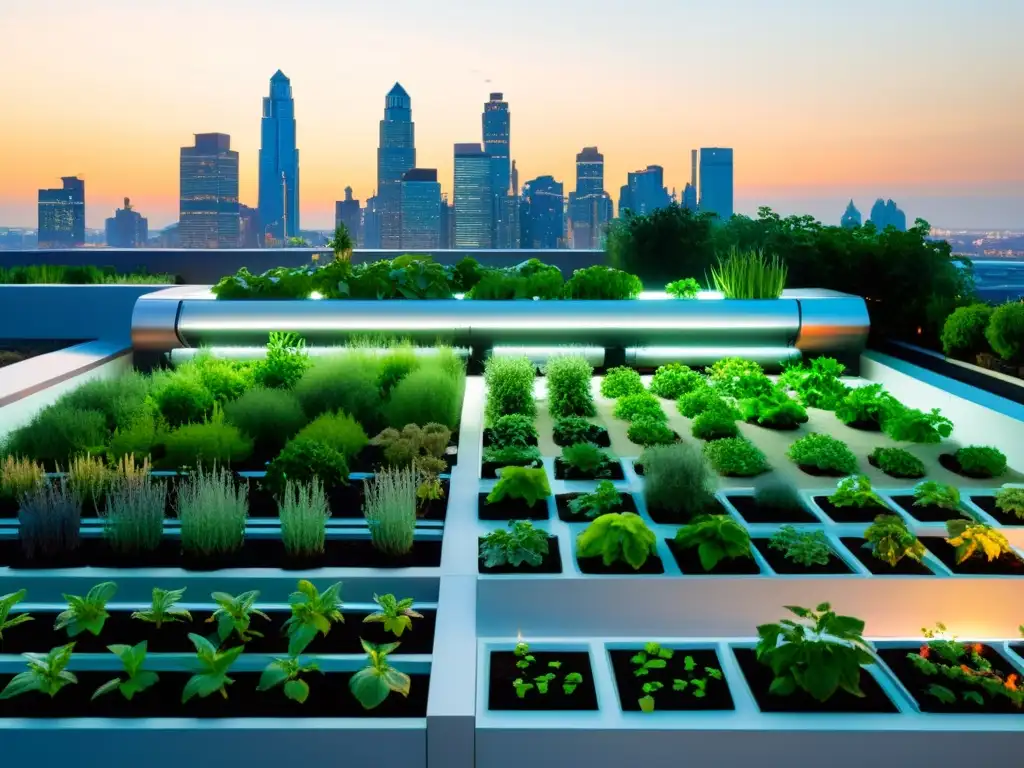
(869, 404)
(890, 540)
(588, 459)
(513, 430)
(932, 494)
(897, 462)
(313, 612)
(7, 602)
(46, 674)
(234, 615)
(212, 676)
(646, 431)
(856, 491)
(600, 501)
(687, 288)
(714, 425)
(914, 426)
(89, 613)
(288, 672)
(618, 537)
(526, 483)
(739, 378)
(674, 380)
(981, 461)
(823, 452)
(716, 538)
(162, 610)
(132, 658)
(396, 615)
(621, 381)
(521, 544)
(820, 386)
(372, 684)
(736, 457)
(806, 548)
(637, 406)
(775, 410)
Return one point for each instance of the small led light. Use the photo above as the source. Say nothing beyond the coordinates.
(315, 295)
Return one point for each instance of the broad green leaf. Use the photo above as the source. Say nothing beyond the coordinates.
(107, 687)
(272, 676)
(646, 703)
(782, 686)
(399, 682)
(369, 688)
(297, 690)
(102, 593)
(21, 683)
(300, 637)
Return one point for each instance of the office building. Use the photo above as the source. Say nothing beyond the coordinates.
(474, 207)
(851, 218)
(689, 197)
(714, 172)
(497, 127)
(542, 214)
(885, 214)
(209, 193)
(447, 224)
(644, 191)
(127, 228)
(590, 207)
(421, 209)
(279, 162)
(371, 222)
(62, 215)
(395, 156)
(250, 227)
(349, 213)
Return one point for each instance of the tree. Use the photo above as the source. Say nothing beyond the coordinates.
(341, 243)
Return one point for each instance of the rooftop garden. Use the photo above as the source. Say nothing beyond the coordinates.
(47, 274)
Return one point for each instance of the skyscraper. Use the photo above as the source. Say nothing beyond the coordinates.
(349, 213)
(474, 208)
(371, 222)
(590, 207)
(209, 193)
(279, 162)
(421, 209)
(689, 198)
(62, 214)
(543, 213)
(127, 228)
(497, 127)
(851, 218)
(714, 181)
(250, 228)
(447, 224)
(644, 191)
(395, 156)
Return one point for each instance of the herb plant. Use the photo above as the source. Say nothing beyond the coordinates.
(212, 675)
(509, 382)
(234, 615)
(313, 612)
(396, 615)
(820, 654)
(286, 361)
(866, 405)
(88, 478)
(7, 602)
(749, 275)
(739, 378)
(856, 491)
(301, 461)
(677, 479)
(568, 381)
(820, 385)
(687, 288)
(914, 426)
(303, 512)
(133, 520)
(18, 477)
(512, 455)
(714, 425)
(618, 537)
(587, 459)
(932, 494)
(89, 613)
(620, 382)
(1010, 499)
(716, 538)
(601, 282)
(162, 609)
(701, 400)
(288, 672)
(576, 429)
(525, 483)
(637, 406)
(645, 431)
(513, 431)
(736, 457)
(897, 462)
(390, 510)
(372, 684)
(213, 511)
(601, 501)
(46, 674)
(981, 461)
(823, 452)
(522, 652)
(971, 538)
(890, 540)
(571, 682)
(132, 658)
(674, 380)
(521, 544)
(49, 521)
(653, 656)
(775, 410)
(806, 548)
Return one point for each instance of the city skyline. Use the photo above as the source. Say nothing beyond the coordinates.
(821, 105)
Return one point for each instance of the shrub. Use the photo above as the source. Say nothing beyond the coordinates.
(890, 540)
(466, 274)
(970, 538)
(735, 457)
(575, 429)
(806, 548)
(749, 275)
(286, 361)
(1010, 499)
(182, 399)
(620, 382)
(390, 510)
(526, 483)
(739, 378)
(521, 544)
(338, 431)
(618, 538)
(714, 425)
(346, 382)
(529, 280)
(776, 410)
(513, 430)
(869, 404)
(133, 520)
(677, 479)
(88, 479)
(702, 400)
(568, 380)
(599, 282)
(855, 491)
(588, 459)
(646, 431)
(212, 511)
(824, 453)
(395, 365)
(639, 406)
(963, 333)
(716, 538)
(687, 288)
(137, 439)
(224, 379)
(674, 380)
(403, 449)
(914, 426)
(49, 520)
(1005, 331)
(301, 461)
(661, 245)
(601, 501)
(18, 477)
(932, 494)
(271, 417)
(821, 385)
(897, 462)
(427, 395)
(304, 514)
(509, 382)
(58, 433)
(205, 444)
(119, 399)
(981, 461)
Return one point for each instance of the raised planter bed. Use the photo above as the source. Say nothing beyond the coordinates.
(688, 561)
(929, 513)
(565, 471)
(1005, 565)
(511, 509)
(684, 661)
(850, 514)
(779, 563)
(566, 516)
(503, 672)
(551, 564)
(987, 504)
(905, 567)
(753, 512)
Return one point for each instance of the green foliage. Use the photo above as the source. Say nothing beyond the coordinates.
(396, 615)
(716, 538)
(133, 520)
(18, 477)
(345, 382)
(399, 361)
(714, 425)
(588, 459)
(914, 426)
(86, 614)
(303, 512)
(466, 275)
(49, 520)
(132, 658)
(162, 609)
(212, 511)
(1009, 499)
(661, 245)
(7, 602)
(137, 439)
(46, 674)
(600, 501)
(341, 243)
(526, 483)
(513, 430)
(212, 444)
(677, 479)
(674, 380)
(568, 381)
(288, 673)
(285, 363)
(869, 404)
(301, 461)
(182, 398)
(739, 378)
(749, 275)
(971, 538)
(313, 613)
(599, 282)
(616, 538)
(513, 455)
(620, 382)
(390, 510)
(638, 407)
(224, 379)
(1005, 331)
(270, 417)
(529, 280)
(338, 431)
(522, 543)
(806, 548)
(824, 452)
(703, 400)
(276, 283)
(372, 684)
(963, 333)
(413, 443)
(890, 540)
(775, 410)
(234, 615)
(687, 288)
(820, 654)
(856, 491)
(51, 274)
(820, 385)
(509, 382)
(212, 676)
(646, 431)
(119, 399)
(981, 461)
(427, 395)
(57, 434)
(932, 494)
(576, 429)
(896, 462)
(736, 457)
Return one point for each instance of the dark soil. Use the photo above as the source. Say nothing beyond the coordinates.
(850, 514)
(688, 561)
(753, 512)
(595, 566)
(598, 436)
(874, 463)
(927, 513)
(865, 426)
(788, 427)
(489, 469)
(630, 687)
(905, 567)
(562, 505)
(781, 564)
(988, 505)
(552, 562)
(814, 471)
(501, 693)
(950, 462)
(977, 564)
(638, 468)
(667, 517)
(511, 509)
(564, 471)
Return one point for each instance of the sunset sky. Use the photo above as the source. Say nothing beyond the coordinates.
(919, 100)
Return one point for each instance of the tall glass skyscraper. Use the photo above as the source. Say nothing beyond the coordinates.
(714, 181)
(543, 213)
(421, 209)
(474, 208)
(279, 162)
(395, 156)
(590, 207)
(497, 127)
(644, 191)
(62, 215)
(208, 215)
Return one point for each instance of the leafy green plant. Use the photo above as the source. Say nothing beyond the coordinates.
(182, 398)
(1005, 331)
(616, 538)
(820, 654)
(338, 431)
(821, 385)
(345, 382)
(530, 280)
(303, 512)
(513, 430)
(212, 676)
(738, 377)
(963, 333)
(714, 425)
(823, 452)
(674, 380)
(526, 483)
(58, 433)
(932, 494)
(313, 612)
(1009, 499)
(522, 652)
(806, 548)
(121, 399)
(509, 382)
(49, 520)
(46, 674)
(570, 430)
(645, 431)
(226, 380)
(866, 405)
(716, 538)
(86, 614)
(587, 459)
(855, 491)
(213, 443)
(602, 283)
(132, 658)
(396, 615)
(687, 288)
(571, 682)
(897, 462)
(914, 426)
(399, 361)
(212, 510)
(390, 510)
(521, 544)
(677, 479)
(621, 381)
(302, 461)
(568, 381)
(736, 457)
(286, 361)
(971, 538)
(890, 540)
(981, 461)
(234, 615)
(704, 399)
(513, 455)
(163, 608)
(288, 673)
(372, 684)
(639, 406)
(600, 501)
(7, 602)
(749, 275)
(427, 395)
(653, 656)
(775, 410)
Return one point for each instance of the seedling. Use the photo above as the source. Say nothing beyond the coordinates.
(89, 613)
(543, 681)
(554, 665)
(7, 602)
(646, 702)
(139, 679)
(856, 491)
(212, 676)
(653, 656)
(522, 688)
(312, 612)
(46, 674)
(163, 608)
(372, 684)
(287, 672)
(234, 615)
(522, 652)
(572, 680)
(396, 615)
